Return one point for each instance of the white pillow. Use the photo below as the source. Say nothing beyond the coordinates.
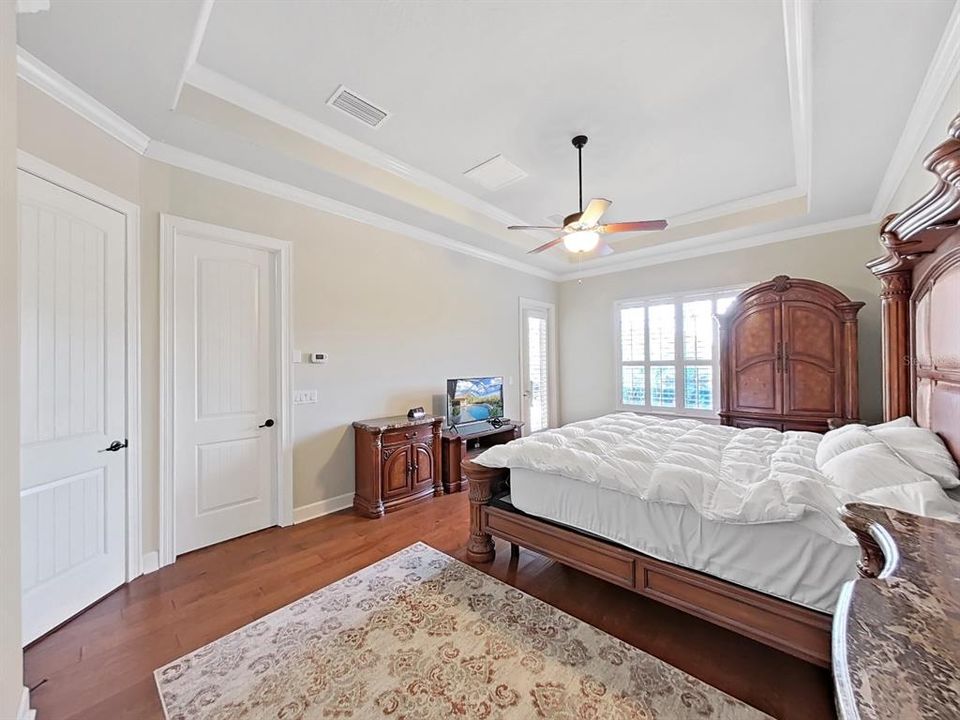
(924, 450)
(919, 448)
(874, 473)
(870, 467)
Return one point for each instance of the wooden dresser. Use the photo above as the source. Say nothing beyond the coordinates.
(788, 357)
(397, 462)
(896, 631)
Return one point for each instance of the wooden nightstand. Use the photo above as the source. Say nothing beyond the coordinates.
(463, 445)
(398, 462)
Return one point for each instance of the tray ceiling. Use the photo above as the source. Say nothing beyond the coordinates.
(730, 119)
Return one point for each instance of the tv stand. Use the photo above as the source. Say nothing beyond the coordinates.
(464, 443)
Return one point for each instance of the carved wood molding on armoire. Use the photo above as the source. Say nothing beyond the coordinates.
(788, 357)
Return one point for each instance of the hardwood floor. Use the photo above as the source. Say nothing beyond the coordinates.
(100, 664)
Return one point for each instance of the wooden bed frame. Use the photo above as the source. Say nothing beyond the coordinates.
(920, 278)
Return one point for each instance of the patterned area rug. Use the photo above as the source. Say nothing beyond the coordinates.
(421, 635)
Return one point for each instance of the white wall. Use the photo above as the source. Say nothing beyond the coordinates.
(587, 344)
(11, 660)
(397, 316)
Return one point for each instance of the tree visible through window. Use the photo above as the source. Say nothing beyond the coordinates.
(668, 352)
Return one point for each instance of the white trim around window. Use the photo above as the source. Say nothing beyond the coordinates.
(661, 364)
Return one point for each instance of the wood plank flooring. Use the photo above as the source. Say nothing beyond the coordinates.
(100, 664)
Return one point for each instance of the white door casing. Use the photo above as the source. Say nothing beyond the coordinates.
(224, 370)
(538, 374)
(73, 402)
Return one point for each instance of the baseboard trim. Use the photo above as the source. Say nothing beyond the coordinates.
(24, 712)
(150, 562)
(321, 508)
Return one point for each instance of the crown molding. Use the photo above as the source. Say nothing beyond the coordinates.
(701, 246)
(193, 51)
(798, 33)
(245, 97)
(737, 206)
(942, 72)
(49, 81)
(204, 165)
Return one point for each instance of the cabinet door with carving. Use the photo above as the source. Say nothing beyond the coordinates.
(397, 471)
(812, 353)
(423, 470)
(755, 360)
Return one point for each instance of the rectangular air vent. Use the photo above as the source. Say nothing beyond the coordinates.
(352, 104)
(495, 173)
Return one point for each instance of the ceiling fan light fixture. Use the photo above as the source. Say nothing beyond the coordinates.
(582, 241)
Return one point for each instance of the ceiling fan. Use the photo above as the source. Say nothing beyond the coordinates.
(581, 231)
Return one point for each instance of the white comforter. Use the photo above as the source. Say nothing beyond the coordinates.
(748, 476)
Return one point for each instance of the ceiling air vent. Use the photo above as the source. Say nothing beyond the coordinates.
(352, 104)
(495, 173)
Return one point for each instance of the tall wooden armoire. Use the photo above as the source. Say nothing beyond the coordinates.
(788, 356)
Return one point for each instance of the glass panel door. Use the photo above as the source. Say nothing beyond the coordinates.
(536, 366)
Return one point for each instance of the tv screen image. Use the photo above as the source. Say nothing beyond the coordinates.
(474, 399)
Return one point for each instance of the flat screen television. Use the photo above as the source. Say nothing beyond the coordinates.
(472, 400)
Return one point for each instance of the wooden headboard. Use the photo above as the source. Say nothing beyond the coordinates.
(920, 276)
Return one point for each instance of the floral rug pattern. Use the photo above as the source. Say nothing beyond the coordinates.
(420, 635)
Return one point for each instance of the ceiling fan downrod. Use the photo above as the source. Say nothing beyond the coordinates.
(578, 142)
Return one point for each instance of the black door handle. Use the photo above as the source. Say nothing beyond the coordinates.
(114, 446)
(268, 423)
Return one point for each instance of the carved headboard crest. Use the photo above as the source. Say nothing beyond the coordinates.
(920, 276)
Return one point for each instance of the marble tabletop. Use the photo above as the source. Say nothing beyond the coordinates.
(394, 422)
(896, 631)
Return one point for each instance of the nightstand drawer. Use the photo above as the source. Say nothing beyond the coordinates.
(420, 433)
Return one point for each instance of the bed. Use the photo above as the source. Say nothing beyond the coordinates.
(724, 574)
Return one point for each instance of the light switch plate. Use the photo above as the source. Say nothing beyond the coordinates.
(305, 397)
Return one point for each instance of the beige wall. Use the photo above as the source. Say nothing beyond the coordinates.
(586, 334)
(11, 660)
(396, 316)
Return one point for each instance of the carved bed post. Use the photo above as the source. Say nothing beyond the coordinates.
(481, 482)
(895, 309)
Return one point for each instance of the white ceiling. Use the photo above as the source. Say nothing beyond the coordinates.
(688, 105)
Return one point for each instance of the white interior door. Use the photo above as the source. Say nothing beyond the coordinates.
(537, 365)
(73, 402)
(224, 456)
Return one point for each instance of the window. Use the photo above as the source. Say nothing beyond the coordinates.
(668, 353)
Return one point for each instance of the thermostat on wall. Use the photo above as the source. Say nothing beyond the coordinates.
(318, 358)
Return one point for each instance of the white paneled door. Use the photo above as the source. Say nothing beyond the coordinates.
(225, 427)
(73, 402)
(537, 365)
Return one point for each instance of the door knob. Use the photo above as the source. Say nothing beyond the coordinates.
(268, 423)
(114, 446)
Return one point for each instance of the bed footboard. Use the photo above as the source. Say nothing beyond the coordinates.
(794, 629)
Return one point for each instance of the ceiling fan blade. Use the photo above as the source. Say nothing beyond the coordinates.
(534, 227)
(593, 212)
(546, 246)
(640, 226)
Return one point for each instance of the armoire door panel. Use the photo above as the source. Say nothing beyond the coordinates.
(811, 334)
(812, 356)
(754, 347)
(811, 389)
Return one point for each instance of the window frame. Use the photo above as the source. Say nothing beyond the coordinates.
(679, 362)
